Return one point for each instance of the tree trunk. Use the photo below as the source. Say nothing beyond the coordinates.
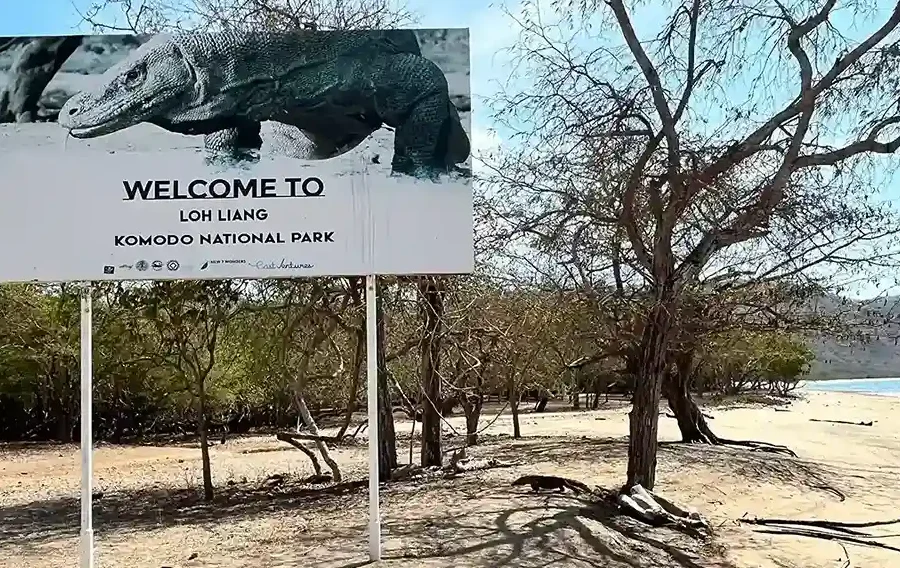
(432, 304)
(644, 416)
(204, 440)
(63, 414)
(474, 403)
(359, 351)
(595, 404)
(691, 422)
(58, 403)
(63, 427)
(314, 430)
(387, 437)
(472, 406)
(514, 407)
(317, 467)
(356, 286)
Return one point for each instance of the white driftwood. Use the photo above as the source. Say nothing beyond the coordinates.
(314, 430)
(654, 509)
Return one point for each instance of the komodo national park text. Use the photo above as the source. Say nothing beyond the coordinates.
(336, 87)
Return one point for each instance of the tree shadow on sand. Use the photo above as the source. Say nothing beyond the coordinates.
(480, 521)
(547, 530)
(675, 459)
(507, 528)
(146, 509)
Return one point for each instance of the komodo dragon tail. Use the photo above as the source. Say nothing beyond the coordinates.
(576, 486)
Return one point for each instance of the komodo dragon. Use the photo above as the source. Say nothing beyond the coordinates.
(538, 482)
(336, 87)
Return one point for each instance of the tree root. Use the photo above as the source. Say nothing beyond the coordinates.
(825, 524)
(837, 531)
(756, 446)
(753, 445)
(831, 536)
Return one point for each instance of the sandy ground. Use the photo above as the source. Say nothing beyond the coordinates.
(149, 514)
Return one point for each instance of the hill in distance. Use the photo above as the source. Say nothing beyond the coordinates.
(873, 348)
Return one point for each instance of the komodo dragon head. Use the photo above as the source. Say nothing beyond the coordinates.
(157, 84)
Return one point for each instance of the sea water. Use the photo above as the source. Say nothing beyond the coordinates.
(885, 387)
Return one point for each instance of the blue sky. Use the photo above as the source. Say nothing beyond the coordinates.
(39, 18)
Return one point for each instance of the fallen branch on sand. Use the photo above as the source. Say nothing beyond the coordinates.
(869, 423)
(825, 530)
(657, 511)
(466, 465)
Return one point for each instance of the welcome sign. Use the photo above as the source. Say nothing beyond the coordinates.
(117, 173)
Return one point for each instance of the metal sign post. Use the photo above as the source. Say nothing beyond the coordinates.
(87, 430)
(372, 373)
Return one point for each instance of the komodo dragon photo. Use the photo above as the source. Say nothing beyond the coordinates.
(337, 88)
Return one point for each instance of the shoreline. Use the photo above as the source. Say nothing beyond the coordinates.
(852, 379)
(890, 395)
(851, 386)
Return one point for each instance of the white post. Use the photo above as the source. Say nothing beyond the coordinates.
(87, 438)
(372, 372)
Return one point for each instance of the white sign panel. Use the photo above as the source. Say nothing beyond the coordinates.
(160, 158)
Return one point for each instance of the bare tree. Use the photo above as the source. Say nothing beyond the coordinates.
(730, 130)
(153, 16)
(189, 319)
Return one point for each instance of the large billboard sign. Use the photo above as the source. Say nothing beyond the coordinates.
(235, 155)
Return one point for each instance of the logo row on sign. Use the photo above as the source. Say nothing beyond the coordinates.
(143, 266)
(174, 265)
